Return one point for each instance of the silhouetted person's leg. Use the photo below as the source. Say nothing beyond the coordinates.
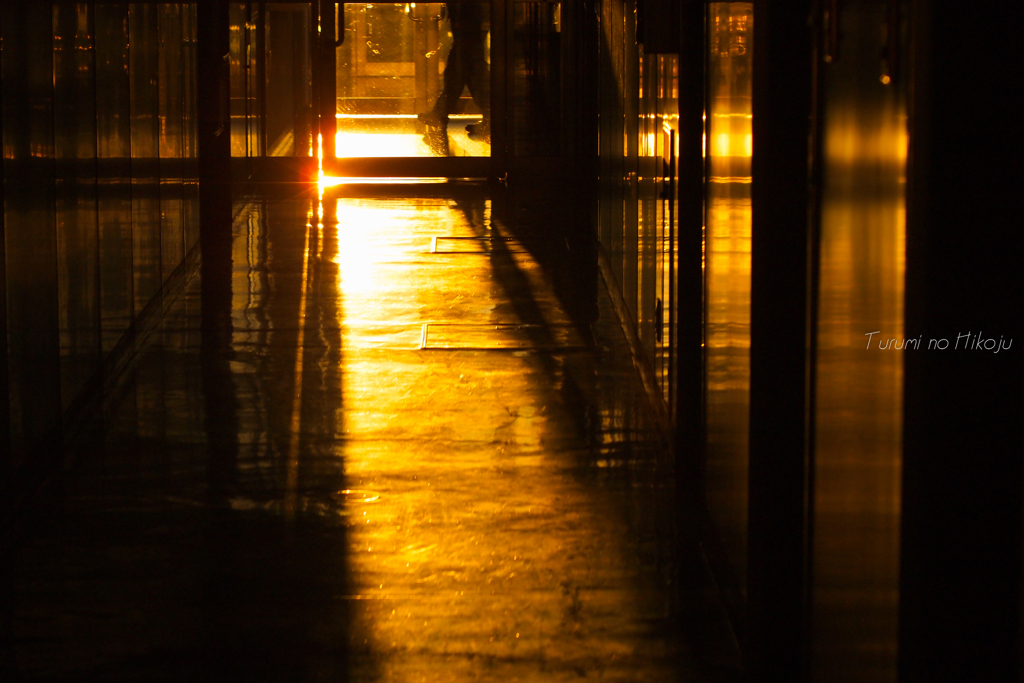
(466, 67)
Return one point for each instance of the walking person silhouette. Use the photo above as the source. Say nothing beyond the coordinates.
(466, 67)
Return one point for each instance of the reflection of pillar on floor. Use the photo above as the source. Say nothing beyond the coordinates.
(295, 422)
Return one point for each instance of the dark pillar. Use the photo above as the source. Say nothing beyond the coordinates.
(960, 603)
(215, 240)
(690, 282)
(5, 385)
(689, 417)
(779, 342)
(325, 87)
(214, 132)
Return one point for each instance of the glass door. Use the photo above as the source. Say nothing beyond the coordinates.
(405, 89)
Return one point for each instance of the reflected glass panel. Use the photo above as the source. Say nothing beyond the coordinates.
(143, 63)
(190, 130)
(171, 108)
(74, 131)
(728, 149)
(113, 149)
(413, 80)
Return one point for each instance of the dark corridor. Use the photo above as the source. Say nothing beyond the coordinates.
(684, 344)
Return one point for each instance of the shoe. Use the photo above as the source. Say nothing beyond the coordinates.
(436, 135)
(436, 139)
(432, 120)
(479, 131)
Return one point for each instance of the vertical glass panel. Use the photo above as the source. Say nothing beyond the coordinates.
(289, 86)
(247, 31)
(537, 78)
(254, 111)
(859, 377)
(650, 171)
(238, 64)
(611, 133)
(728, 150)
(656, 158)
(189, 130)
(413, 80)
(74, 134)
(171, 110)
(145, 136)
(113, 149)
(663, 135)
(630, 80)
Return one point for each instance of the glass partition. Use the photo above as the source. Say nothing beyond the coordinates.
(289, 92)
(413, 80)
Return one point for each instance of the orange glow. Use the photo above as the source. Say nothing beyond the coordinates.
(320, 161)
(732, 136)
(727, 265)
(326, 181)
(359, 246)
(349, 145)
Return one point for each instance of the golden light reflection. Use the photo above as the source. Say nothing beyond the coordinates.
(448, 458)
(356, 145)
(320, 161)
(334, 181)
(728, 144)
(357, 242)
(733, 137)
(859, 392)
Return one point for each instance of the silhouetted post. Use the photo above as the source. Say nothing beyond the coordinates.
(960, 602)
(779, 353)
(215, 241)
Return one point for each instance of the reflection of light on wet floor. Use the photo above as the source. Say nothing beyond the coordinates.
(465, 537)
(359, 242)
(351, 496)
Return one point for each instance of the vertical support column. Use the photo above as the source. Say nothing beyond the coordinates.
(502, 73)
(214, 131)
(214, 163)
(781, 342)
(960, 605)
(5, 384)
(215, 240)
(689, 418)
(261, 78)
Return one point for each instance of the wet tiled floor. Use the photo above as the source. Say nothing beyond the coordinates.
(409, 464)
